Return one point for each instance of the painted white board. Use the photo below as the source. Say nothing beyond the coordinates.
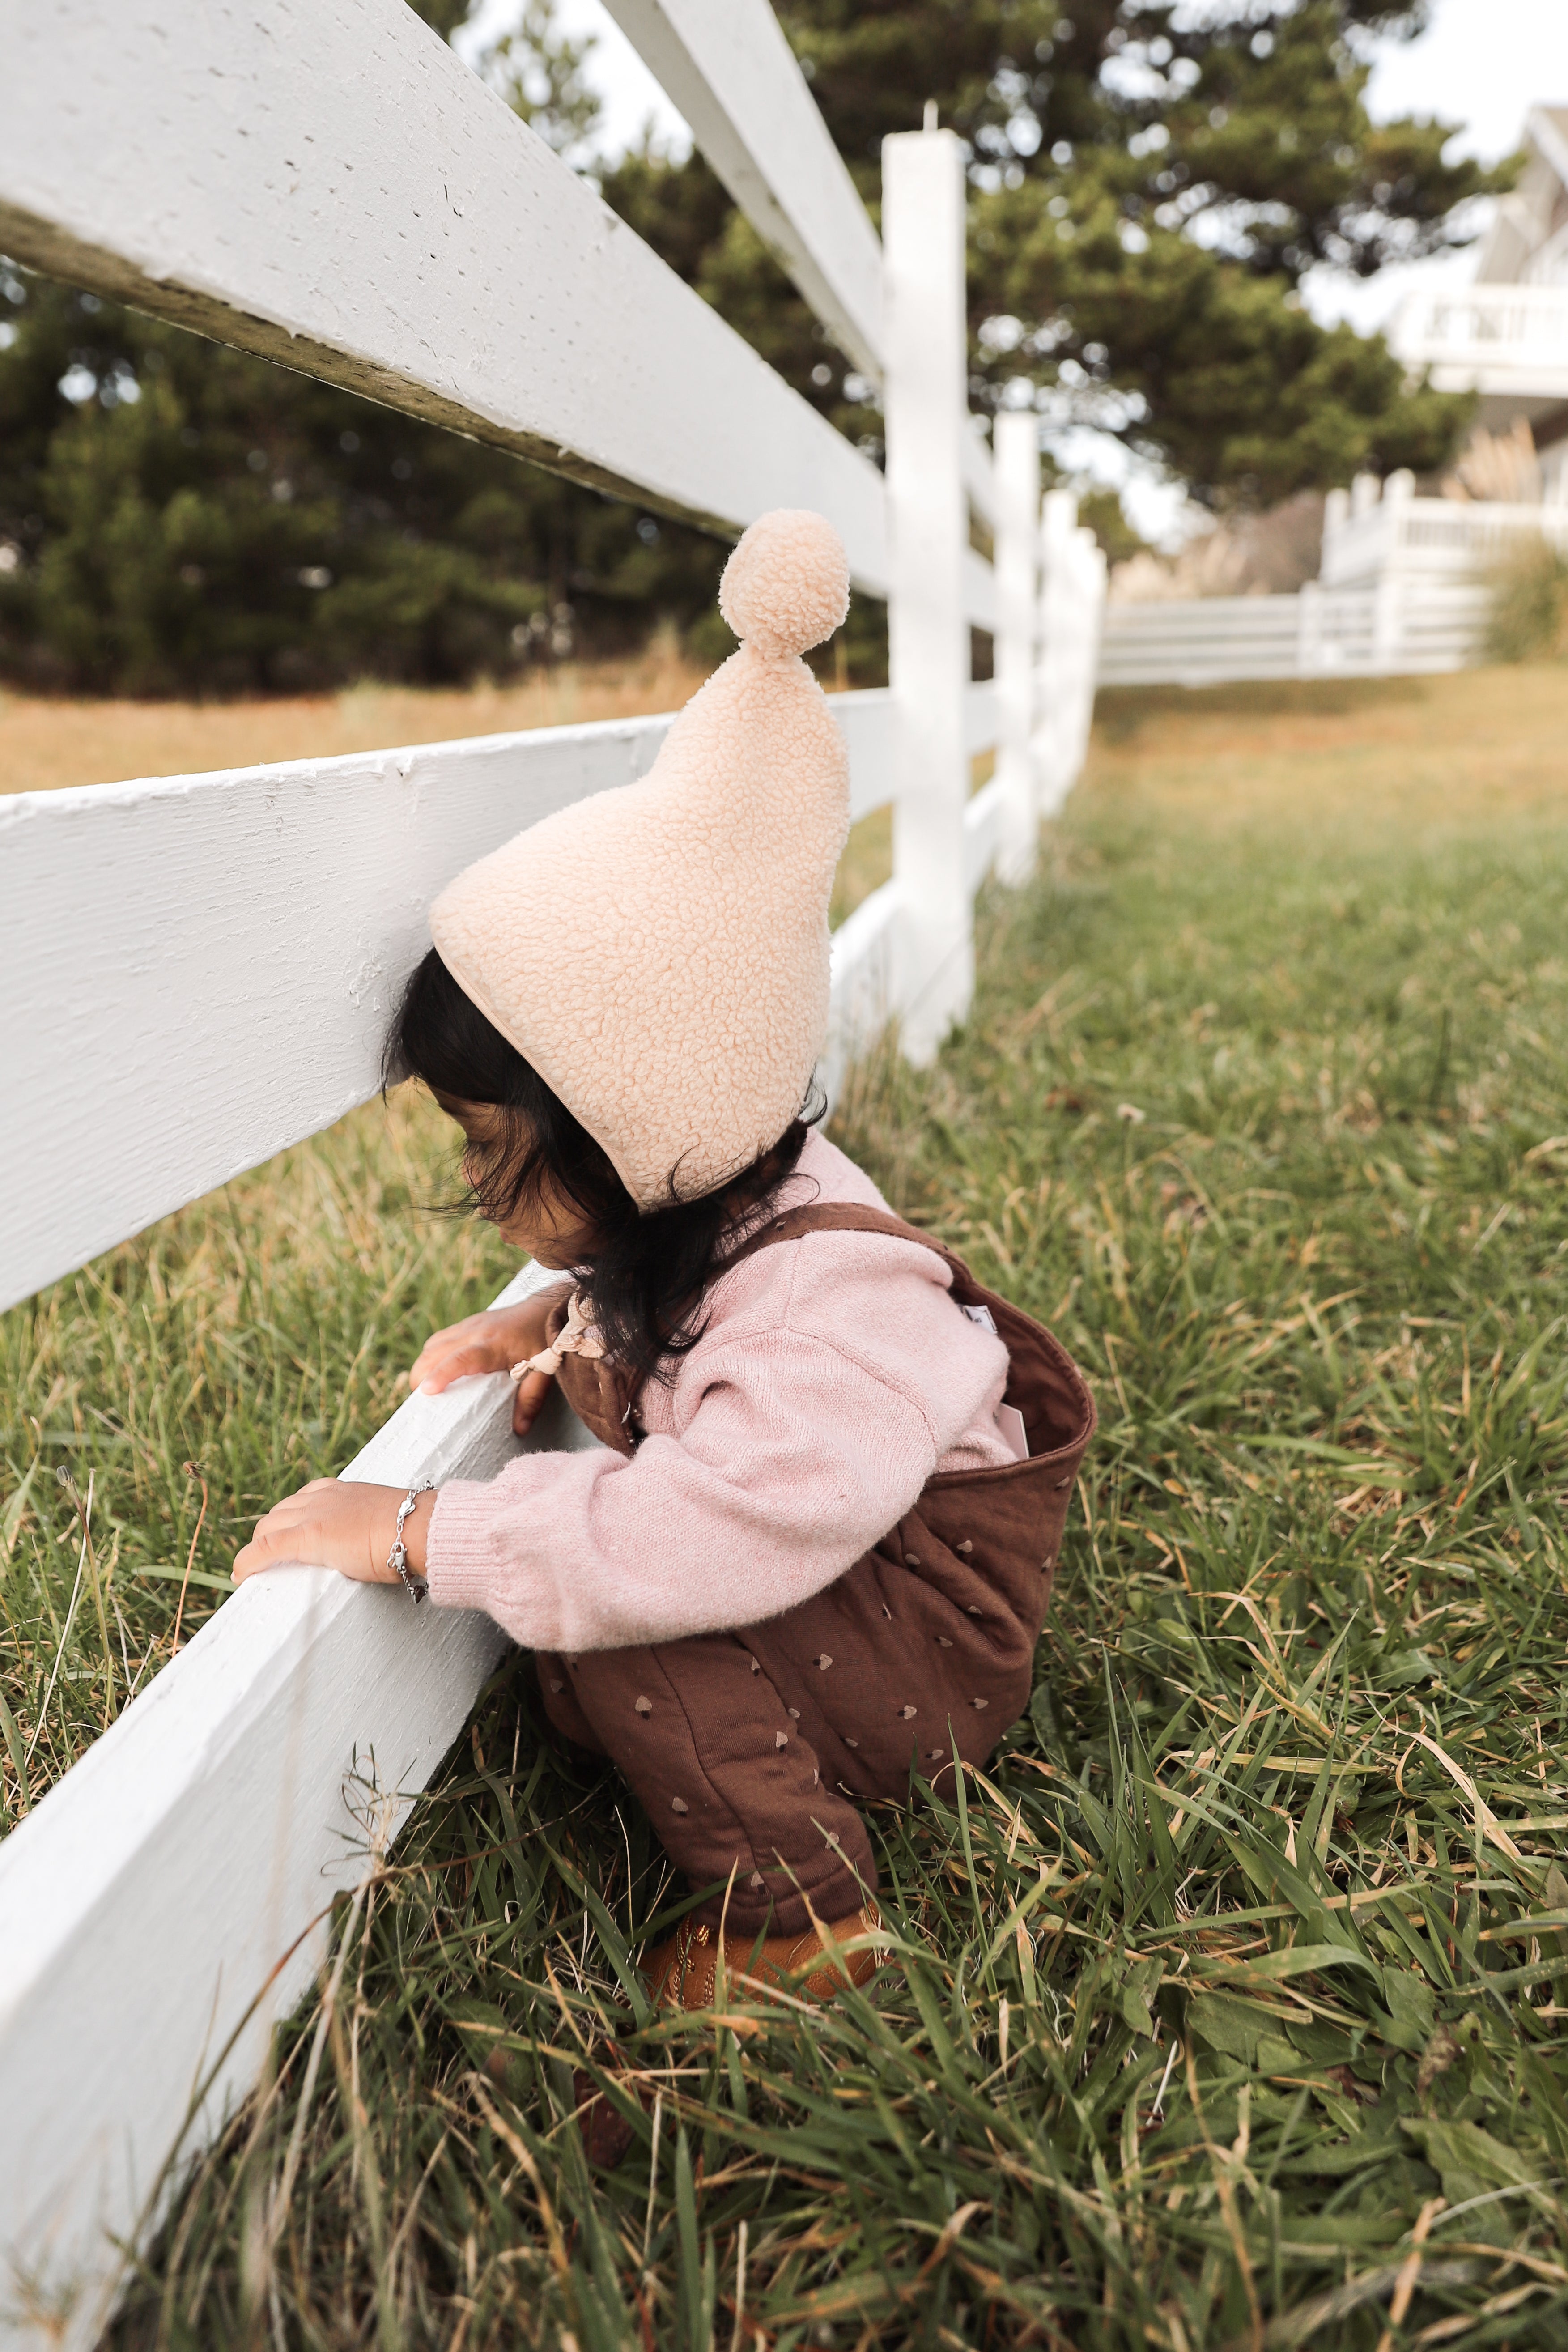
(332, 187)
(203, 967)
(864, 967)
(146, 1902)
(983, 830)
(244, 935)
(980, 477)
(733, 77)
(926, 415)
(867, 720)
(246, 188)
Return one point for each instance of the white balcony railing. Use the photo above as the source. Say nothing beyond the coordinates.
(1366, 537)
(1497, 339)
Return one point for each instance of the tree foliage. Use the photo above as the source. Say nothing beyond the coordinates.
(1150, 183)
(178, 517)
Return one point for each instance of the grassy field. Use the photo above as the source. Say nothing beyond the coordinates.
(1229, 2006)
(46, 743)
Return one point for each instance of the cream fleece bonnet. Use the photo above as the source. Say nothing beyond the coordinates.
(659, 953)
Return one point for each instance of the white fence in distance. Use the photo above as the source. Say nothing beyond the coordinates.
(1507, 342)
(1402, 628)
(164, 1903)
(1402, 591)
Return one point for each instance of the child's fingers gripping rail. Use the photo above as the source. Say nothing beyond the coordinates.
(492, 1341)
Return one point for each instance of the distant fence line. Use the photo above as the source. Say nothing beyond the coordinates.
(1401, 628)
(1402, 593)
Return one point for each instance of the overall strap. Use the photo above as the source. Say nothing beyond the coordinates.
(841, 1217)
(603, 1396)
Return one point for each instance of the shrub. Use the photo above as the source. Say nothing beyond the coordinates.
(1529, 617)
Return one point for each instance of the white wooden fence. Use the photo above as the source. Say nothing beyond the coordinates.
(1402, 591)
(1507, 342)
(1401, 628)
(198, 972)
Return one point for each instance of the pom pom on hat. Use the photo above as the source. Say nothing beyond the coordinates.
(786, 586)
(659, 954)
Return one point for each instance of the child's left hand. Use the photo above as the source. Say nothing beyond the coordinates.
(332, 1523)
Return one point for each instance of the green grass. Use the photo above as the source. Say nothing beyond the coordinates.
(258, 1337)
(1229, 2006)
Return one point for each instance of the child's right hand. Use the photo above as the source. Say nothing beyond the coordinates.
(493, 1342)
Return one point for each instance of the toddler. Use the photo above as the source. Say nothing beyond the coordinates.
(815, 1553)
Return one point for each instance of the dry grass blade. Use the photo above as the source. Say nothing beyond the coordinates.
(1231, 2002)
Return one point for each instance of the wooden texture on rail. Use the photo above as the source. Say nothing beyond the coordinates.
(164, 1905)
(211, 960)
(334, 189)
(732, 75)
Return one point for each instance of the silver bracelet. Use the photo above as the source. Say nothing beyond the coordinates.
(398, 1557)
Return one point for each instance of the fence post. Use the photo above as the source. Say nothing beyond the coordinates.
(1388, 612)
(1092, 588)
(925, 346)
(1058, 516)
(1017, 459)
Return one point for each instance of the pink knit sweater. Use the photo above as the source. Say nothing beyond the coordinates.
(835, 1375)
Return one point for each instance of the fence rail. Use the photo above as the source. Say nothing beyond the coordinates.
(252, 186)
(1401, 628)
(1499, 340)
(253, 929)
(1402, 590)
(734, 79)
(1368, 536)
(332, 188)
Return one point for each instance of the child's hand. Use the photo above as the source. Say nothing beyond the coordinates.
(493, 1342)
(330, 1524)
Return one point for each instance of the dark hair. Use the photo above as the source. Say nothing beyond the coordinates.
(648, 1268)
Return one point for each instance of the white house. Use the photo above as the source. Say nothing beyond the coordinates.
(1505, 335)
(1403, 582)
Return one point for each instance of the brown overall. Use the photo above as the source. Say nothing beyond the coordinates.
(751, 1749)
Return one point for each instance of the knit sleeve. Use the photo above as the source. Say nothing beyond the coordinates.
(795, 1460)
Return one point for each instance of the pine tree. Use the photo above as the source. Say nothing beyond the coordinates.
(1150, 183)
(176, 517)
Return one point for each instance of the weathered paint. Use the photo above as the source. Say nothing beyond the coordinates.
(735, 77)
(165, 1902)
(333, 188)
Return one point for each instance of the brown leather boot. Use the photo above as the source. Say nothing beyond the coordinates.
(683, 1971)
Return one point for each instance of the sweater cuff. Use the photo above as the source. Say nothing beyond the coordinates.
(460, 1548)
